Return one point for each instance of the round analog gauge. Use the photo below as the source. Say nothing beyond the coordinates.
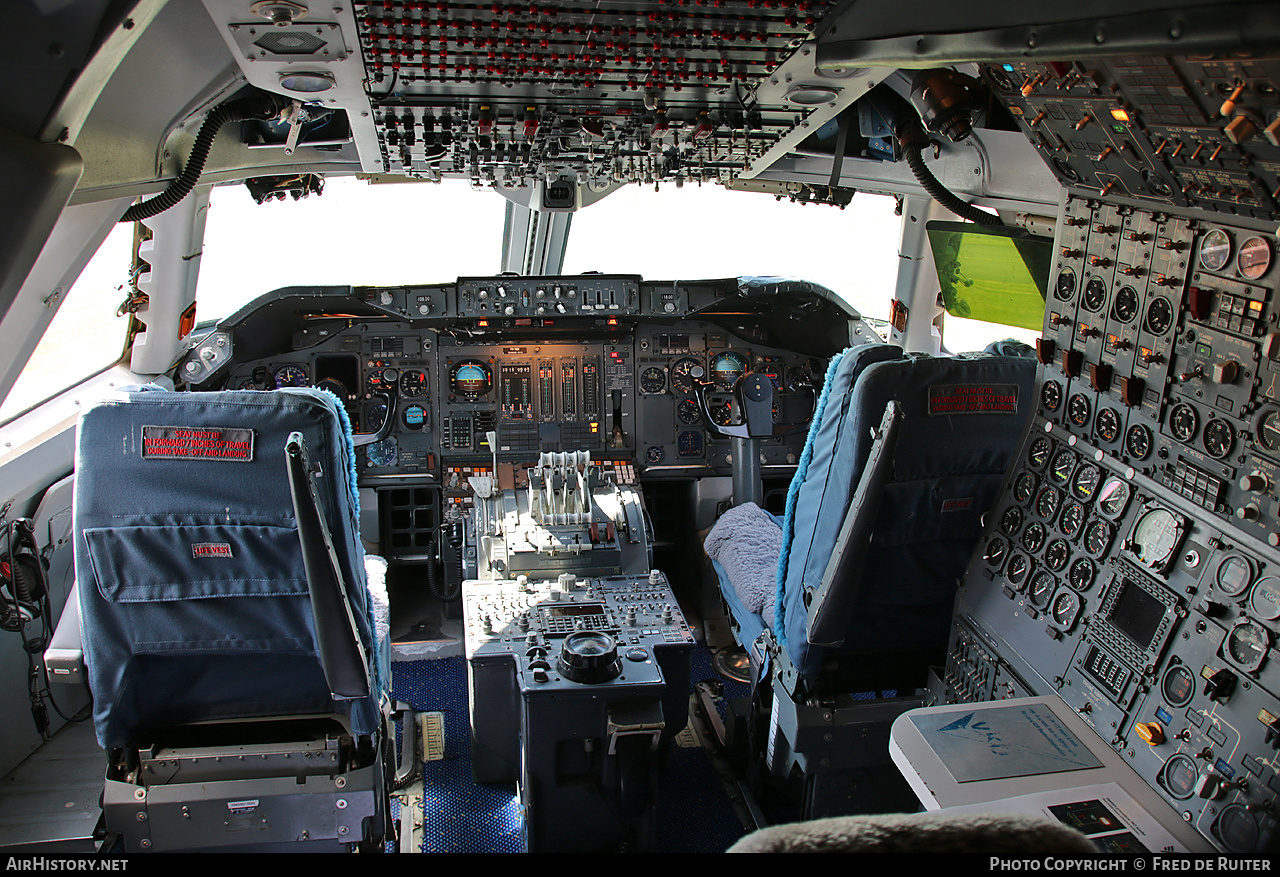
(1247, 644)
(1024, 487)
(1125, 307)
(721, 411)
(1041, 589)
(1137, 441)
(1072, 520)
(1237, 828)
(1056, 554)
(1215, 250)
(798, 378)
(1081, 574)
(1180, 775)
(1017, 570)
(1113, 498)
(1048, 500)
(995, 552)
(1066, 285)
(334, 386)
(374, 416)
(772, 372)
(654, 454)
(413, 383)
(383, 453)
(727, 368)
(1051, 395)
(1011, 521)
(1107, 424)
(1155, 537)
(1178, 686)
(687, 411)
(1264, 600)
(1159, 316)
(414, 416)
(1034, 536)
(653, 380)
(682, 374)
(1065, 608)
(1095, 295)
(291, 376)
(1078, 409)
(1064, 463)
(1038, 455)
(380, 380)
(1183, 422)
(689, 443)
(1269, 430)
(1097, 538)
(1085, 482)
(1254, 258)
(1219, 438)
(470, 379)
(1234, 575)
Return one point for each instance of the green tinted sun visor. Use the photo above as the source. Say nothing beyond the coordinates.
(998, 275)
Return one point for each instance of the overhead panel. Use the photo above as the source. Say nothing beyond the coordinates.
(602, 92)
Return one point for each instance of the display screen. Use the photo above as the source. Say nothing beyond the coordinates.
(560, 610)
(998, 275)
(1136, 613)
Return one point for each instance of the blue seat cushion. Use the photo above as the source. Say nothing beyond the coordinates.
(953, 450)
(193, 597)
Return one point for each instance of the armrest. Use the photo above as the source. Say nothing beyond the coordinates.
(64, 658)
(833, 602)
(346, 668)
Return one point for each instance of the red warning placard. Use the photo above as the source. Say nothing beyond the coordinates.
(197, 443)
(974, 399)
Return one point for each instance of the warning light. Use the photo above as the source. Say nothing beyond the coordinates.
(612, 321)
(1120, 114)
(483, 324)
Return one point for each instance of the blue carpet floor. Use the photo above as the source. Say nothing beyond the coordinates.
(693, 813)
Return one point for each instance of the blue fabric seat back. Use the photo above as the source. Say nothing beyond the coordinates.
(193, 597)
(962, 419)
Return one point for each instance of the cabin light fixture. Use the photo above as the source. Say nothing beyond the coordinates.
(305, 82)
(812, 95)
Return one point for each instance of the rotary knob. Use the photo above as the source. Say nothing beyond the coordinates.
(590, 657)
(1150, 732)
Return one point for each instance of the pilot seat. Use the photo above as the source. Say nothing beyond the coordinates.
(844, 603)
(236, 647)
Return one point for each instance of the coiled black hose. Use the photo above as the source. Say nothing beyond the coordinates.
(915, 160)
(434, 585)
(232, 111)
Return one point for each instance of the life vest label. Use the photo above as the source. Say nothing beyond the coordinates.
(973, 399)
(197, 443)
(211, 549)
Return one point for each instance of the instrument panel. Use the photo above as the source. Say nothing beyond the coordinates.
(435, 396)
(1131, 564)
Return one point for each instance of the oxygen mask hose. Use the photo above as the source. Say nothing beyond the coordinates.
(262, 106)
(912, 137)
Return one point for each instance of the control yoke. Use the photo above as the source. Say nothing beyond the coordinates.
(753, 394)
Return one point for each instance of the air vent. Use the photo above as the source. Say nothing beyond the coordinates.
(295, 41)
